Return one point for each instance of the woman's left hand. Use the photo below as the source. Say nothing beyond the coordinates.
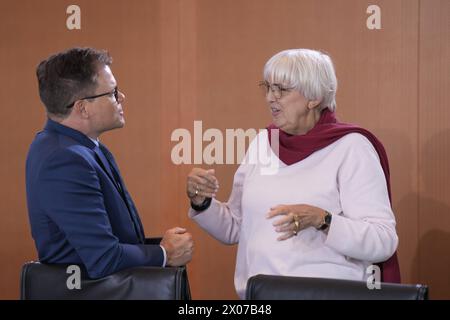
(295, 218)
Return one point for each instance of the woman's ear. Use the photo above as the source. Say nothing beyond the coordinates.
(313, 103)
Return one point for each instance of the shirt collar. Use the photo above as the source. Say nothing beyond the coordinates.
(75, 134)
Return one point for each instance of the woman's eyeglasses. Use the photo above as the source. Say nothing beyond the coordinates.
(277, 90)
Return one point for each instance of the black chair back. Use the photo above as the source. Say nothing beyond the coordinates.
(269, 287)
(43, 281)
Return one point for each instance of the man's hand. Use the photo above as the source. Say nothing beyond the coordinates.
(178, 245)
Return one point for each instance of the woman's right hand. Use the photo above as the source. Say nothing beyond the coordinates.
(201, 184)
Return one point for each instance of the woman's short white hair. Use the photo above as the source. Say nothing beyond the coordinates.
(310, 72)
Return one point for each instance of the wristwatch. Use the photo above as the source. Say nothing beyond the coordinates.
(326, 221)
(203, 206)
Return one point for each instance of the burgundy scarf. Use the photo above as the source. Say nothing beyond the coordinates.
(295, 148)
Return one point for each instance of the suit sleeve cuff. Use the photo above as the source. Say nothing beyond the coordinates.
(165, 256)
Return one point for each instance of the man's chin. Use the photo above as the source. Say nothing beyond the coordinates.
(118, 125)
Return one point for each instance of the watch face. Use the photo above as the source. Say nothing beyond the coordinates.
(328, 218)
(326, 221)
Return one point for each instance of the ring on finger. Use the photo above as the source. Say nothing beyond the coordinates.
(296, 224)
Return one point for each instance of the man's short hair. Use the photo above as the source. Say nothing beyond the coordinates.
(68, 76)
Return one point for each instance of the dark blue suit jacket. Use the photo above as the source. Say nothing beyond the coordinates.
(79, 208)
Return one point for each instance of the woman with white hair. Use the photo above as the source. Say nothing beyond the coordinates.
(326, 211)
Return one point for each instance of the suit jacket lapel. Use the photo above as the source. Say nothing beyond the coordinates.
(124, 192)
(105, 165)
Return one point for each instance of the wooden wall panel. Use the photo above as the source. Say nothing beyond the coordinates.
(32, 30)
(179, 61)
(432, 254)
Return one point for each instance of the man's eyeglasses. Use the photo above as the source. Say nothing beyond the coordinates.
(277, 90)
(114, 92)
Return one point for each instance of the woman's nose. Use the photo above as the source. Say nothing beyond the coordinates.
(270, 97)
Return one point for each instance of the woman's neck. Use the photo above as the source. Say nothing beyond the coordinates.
(306, 123)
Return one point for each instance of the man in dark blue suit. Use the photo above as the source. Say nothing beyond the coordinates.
(79, 207)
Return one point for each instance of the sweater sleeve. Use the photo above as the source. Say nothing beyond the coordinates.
(222, 220)
(365, 229)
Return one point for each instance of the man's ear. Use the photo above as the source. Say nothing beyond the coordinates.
(313, 103)
(80, 107)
